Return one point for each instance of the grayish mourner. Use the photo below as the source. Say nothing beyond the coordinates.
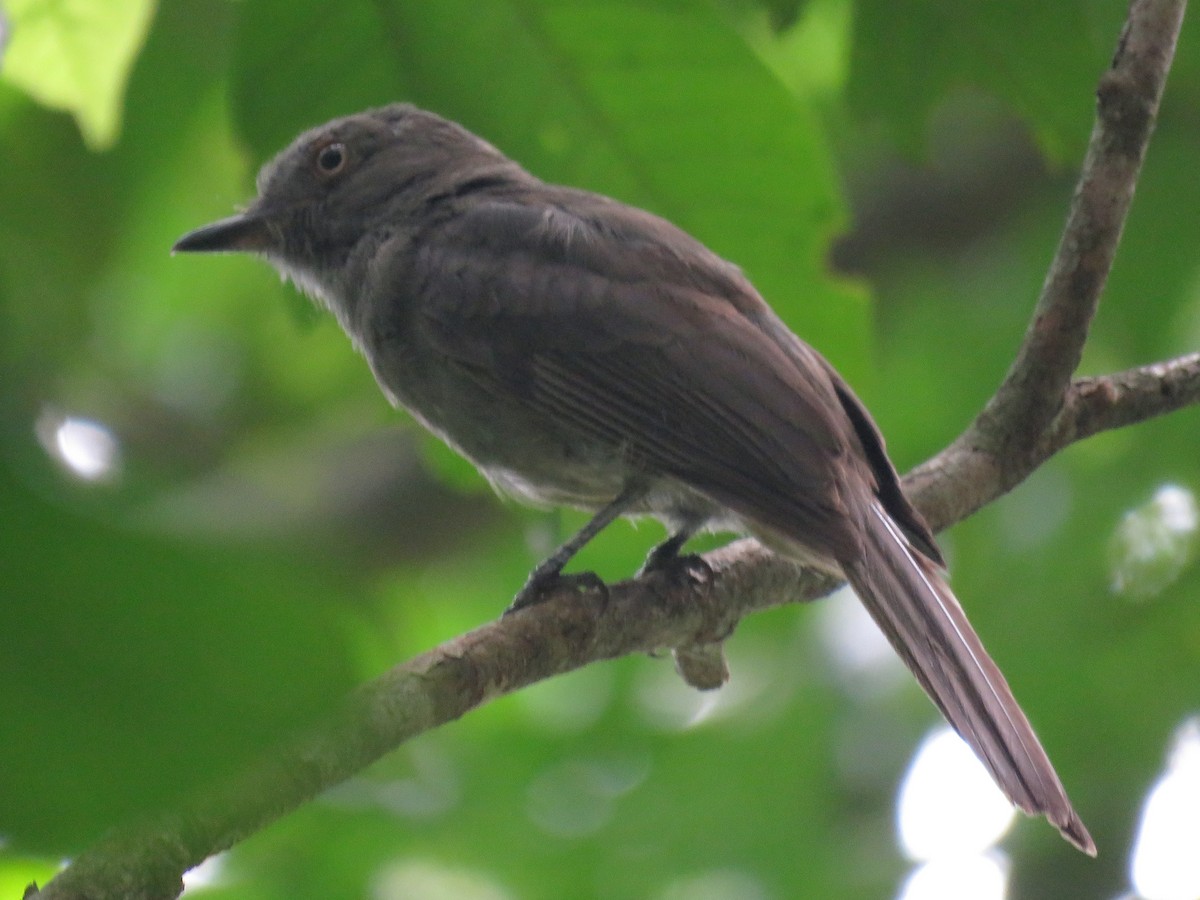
(582, 352)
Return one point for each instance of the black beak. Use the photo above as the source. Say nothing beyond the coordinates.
(246, 232)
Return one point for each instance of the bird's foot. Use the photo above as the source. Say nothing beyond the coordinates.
(543, 585)
(675, 566)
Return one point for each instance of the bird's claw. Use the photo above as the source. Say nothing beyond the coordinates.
(676, 567)
(540, 587)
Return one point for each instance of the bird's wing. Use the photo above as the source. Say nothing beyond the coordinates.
(620, 326)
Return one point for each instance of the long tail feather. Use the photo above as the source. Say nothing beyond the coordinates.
(908, 598)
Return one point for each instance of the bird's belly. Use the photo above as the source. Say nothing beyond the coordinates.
(542, 466)
(532, 461)
(542, 482)
(528, 457)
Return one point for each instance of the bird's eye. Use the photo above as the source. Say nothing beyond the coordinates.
(331, 158)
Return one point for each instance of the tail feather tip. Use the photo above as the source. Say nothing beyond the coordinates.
(1073, 829)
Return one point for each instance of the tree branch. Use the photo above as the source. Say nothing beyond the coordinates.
(1001, 448)
(1089, 406)
(1036, 412)
(1128, 98)
(1100, 404)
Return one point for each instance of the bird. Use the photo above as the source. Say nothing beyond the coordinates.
(586, 353)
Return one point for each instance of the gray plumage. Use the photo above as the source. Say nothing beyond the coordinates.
(578, 350)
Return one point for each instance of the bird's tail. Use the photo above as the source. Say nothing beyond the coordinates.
(908, 598)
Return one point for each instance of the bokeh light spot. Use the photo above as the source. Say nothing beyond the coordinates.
(980, 876)
(576, 798)
(718, 884)
(86, 449)
(429, 880)
(209, 874)
(863, 659)
(1153, 543)
(1165, 864)
(948, 805)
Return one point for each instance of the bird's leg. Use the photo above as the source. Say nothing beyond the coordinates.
(666, 558)
(549, 574)
(666, 554)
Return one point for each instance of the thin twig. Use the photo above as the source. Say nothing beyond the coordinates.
(1113, 401)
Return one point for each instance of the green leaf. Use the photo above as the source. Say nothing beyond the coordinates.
(76, 56)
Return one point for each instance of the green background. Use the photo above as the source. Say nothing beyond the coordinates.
(893, 177)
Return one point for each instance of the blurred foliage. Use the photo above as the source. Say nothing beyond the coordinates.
(76, 57)
(1041, 58)
(268, 533)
